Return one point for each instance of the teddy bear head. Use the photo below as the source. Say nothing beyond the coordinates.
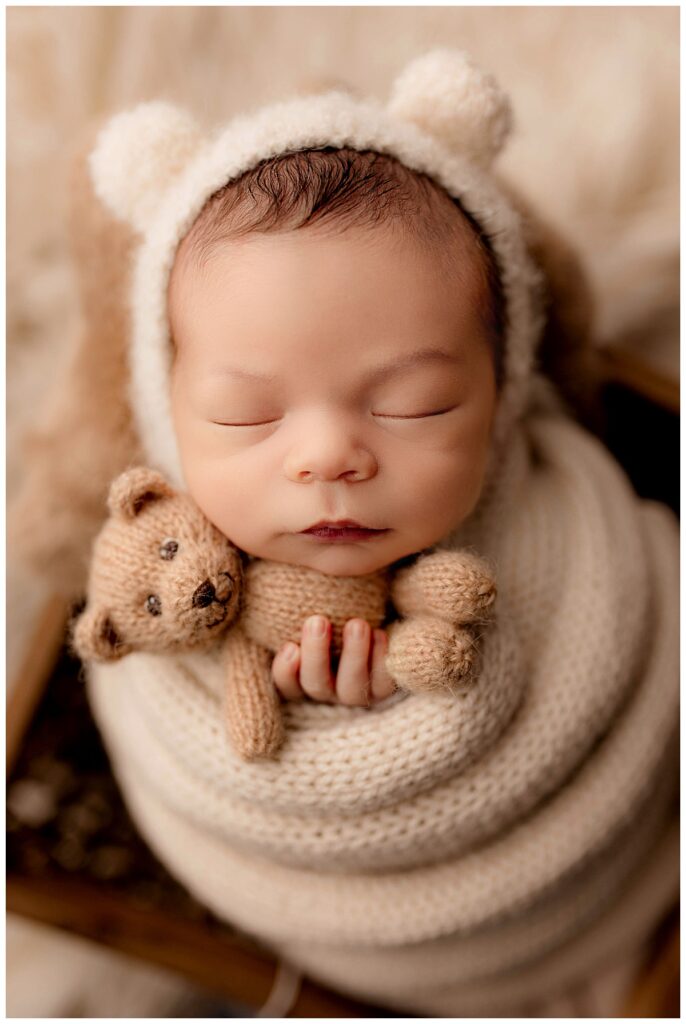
(162, 577)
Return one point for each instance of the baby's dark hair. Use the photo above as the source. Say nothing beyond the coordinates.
(339, 188)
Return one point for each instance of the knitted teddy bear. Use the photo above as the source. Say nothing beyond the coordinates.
(164, 579)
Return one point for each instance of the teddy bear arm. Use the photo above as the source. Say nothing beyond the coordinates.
(252, 707)
(453, 585)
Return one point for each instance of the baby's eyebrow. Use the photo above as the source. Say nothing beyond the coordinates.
(238, 371)
(374, 376)
(408, 361)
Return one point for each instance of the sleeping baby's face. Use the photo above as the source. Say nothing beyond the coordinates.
(321, 378)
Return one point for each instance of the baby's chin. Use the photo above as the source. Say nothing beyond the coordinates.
(355, 559)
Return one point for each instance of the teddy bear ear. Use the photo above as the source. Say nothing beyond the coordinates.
(136, 156)
(95, 638)
(131, 492)
(446, 95)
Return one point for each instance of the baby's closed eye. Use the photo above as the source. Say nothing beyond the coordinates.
(414, 415)
(379, 415)
(247, 423)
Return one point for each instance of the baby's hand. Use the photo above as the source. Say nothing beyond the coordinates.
(361, 679)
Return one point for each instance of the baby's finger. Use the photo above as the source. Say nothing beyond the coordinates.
(315, 666)
(382, 681)
(352, 678)
(285, 672)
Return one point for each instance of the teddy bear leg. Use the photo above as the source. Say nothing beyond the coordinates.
(253, 710)
(427, 654)
(454, 585)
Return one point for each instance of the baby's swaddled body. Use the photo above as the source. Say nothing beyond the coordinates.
(342, 337)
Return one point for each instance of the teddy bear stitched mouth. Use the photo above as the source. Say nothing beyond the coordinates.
(224, 583)
(217, 622)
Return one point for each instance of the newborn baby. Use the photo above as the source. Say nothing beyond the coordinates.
(335, 320)
(335, 338)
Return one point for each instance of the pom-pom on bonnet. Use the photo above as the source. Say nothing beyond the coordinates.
(153, 168)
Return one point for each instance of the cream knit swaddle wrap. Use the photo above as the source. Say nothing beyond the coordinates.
(442, 854)
(374, 831)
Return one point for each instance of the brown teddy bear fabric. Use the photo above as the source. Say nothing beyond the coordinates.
(163, 579)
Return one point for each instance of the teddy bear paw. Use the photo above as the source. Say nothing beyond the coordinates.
(256, 740)
(457, 586)
(427, 655)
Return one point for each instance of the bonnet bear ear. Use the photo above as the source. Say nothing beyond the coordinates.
(95, 638)
(446, 95)
(136, 156)
(131, 492)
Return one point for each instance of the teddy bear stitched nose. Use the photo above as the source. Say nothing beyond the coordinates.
(203, 595)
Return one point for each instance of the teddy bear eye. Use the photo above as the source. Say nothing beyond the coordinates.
(153, 605)
(168, 549)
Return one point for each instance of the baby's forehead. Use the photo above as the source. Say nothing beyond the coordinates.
(441, 249)
(438, 228)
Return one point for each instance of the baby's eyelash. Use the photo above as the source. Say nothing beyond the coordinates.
(379, 415)
(260, 423)
(417, 416)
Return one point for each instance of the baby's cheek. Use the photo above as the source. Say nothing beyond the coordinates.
(236, 503)
(207, 483)
(440, 493)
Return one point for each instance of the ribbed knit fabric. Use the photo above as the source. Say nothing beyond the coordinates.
(437, 852)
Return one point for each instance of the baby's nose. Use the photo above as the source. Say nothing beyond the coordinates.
(333, 458)
(328, 444)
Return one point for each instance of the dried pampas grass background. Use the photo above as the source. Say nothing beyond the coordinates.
(595, 92)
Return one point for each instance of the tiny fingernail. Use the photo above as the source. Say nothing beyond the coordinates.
(316, 626)
(357, 629)
(290, 651)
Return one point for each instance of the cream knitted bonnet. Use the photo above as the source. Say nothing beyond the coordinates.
(153, 168)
